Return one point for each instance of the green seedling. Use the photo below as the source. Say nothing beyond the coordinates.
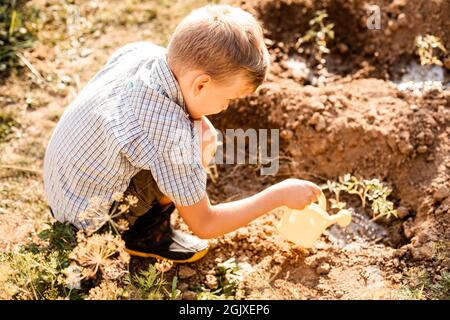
(230, 275)
(147, 284)
(430, 49)
(319, 34)
(372, 191)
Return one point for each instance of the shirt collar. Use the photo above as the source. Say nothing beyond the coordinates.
(169, 83)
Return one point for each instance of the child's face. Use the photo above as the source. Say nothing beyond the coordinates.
(204, 96)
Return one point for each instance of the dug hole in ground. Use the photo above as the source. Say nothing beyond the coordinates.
(374, 113)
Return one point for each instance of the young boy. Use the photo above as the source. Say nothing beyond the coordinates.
(126, 129)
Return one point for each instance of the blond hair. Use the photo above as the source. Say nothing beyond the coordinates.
(222, 40)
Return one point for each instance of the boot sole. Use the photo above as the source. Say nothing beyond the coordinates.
(195, 257)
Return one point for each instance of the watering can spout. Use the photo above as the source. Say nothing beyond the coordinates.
(342, 218)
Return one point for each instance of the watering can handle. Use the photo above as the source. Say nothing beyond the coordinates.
(322, 200)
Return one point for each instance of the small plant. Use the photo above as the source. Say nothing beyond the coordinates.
(430, 49)
(17, 25)
(99, 255)
(420, 287)
(372, 190)
(174, 293)
(230, 275)
(107, 290)
(60, 236)
(150, 284)
(319, 34)
(7, 123)
(98, 214)
(34, 273)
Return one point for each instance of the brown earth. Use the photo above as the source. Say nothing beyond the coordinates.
(353, 120)
(356, 122)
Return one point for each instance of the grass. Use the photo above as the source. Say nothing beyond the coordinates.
(69, 264)
(421, 287)
(160, 16)
(36, 270)
(7, 122)
(18, 25)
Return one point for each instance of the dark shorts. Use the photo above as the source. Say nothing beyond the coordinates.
(145, 189)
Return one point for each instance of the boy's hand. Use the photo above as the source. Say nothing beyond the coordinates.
(296, 193)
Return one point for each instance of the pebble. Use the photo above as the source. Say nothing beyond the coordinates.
(402, 20)
(404, 147)
(211, 281)
(189, 295)
(403, 212)
(286, 134)
(422, 149)
(343, 48)
(318, 121)
(441, 194)
(424, 252)
(317, 106)
(323, 269)
(183, 286)
(421, 136)
(185, 272)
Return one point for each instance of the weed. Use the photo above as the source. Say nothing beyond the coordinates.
(174, 293)
(100, 255)
(372, 190)
(419, 285)
(17, 27)
(61, 236)
(230, 275)
(7, 123)
(99, 214)
(319, 34)
(107, 290)
(430, 49)
(147, 284)
(34, 275)
(441, 250)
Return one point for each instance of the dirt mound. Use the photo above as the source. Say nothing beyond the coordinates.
(355, 45)
(348, 123)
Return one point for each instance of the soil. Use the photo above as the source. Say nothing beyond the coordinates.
(358, 120)
(352, 117)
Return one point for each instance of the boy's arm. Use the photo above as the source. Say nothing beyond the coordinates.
(208, 221)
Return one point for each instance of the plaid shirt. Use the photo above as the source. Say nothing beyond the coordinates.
(130, 116)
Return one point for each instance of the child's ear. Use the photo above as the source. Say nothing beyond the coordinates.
(201, 82)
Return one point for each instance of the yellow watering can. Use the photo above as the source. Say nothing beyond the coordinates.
(304, 227)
